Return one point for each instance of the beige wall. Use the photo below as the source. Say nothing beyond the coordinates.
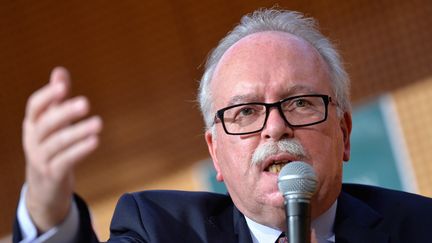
(413, 105)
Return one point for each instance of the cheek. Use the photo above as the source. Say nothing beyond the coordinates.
(327, 140)
(234, 154)
(325, 149)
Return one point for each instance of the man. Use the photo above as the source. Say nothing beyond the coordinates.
(274, 91)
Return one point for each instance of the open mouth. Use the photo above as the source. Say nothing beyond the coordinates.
(276, 166)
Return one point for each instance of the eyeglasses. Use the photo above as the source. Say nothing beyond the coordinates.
(297, 111)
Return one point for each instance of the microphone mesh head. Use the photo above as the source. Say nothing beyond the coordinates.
(297, 177)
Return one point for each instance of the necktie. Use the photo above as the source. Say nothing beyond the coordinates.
(282, 238)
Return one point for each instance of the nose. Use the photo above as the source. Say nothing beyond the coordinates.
(276, 128)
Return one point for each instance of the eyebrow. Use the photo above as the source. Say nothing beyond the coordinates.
(238, 99)
(294, 90)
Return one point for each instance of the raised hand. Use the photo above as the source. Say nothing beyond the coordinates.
(56, 136)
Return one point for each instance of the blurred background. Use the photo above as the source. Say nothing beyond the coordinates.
(139, 63)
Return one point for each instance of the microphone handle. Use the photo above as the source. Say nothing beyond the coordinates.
(298, 220)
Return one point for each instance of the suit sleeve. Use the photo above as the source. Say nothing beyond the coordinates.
(86, 233)
(82, 227)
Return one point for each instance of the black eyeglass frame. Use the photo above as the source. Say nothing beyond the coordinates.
(326, 99)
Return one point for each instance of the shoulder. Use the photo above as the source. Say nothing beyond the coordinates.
(377, 195)
(172, 194)
(148, 215)
(182, 197)
(177, 201)
(401, 216)
(391, 202)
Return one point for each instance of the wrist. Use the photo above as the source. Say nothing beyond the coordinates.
(46, 214)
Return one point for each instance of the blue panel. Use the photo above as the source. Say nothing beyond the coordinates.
(210, 174)
(372, 159)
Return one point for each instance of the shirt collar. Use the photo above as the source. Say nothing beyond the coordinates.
(261, 233)
(323, 226)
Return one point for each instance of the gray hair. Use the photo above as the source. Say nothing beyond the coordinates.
(284, 21)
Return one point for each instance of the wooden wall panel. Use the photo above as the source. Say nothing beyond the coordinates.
(139, 62)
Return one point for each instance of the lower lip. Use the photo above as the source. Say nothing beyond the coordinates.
(268, 173)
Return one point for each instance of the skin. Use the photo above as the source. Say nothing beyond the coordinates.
(267, 67)
(56, 136)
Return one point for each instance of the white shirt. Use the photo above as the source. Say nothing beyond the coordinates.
(323, 227)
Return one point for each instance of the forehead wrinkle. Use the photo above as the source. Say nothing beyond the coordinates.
(239, 99)
(297, 89)
(300, 89)
(252, 45)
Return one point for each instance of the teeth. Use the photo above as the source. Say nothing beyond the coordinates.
(276, 168)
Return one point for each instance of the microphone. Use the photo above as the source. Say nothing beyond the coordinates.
(297, 182)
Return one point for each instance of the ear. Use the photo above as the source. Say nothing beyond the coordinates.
(212, 147)
(346, 126)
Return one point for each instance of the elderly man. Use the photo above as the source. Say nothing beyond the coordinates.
(274, 91)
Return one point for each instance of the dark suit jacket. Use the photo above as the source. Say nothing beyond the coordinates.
(364, 214)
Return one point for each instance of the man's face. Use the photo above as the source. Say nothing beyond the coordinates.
(267, 67)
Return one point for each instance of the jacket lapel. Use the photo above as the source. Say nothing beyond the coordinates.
(240, 227)
(356, 222)
(228, 225)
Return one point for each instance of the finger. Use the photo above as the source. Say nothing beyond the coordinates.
(56, 90)
(61, 115)
(64, 162)
(66, 137)
(313, 236)
(40, 100)
(61, 76)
